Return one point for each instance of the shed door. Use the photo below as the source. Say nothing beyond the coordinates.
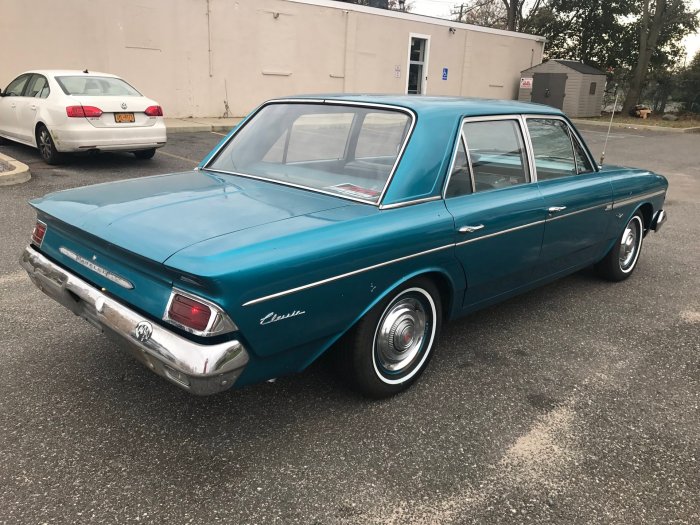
(549, 88)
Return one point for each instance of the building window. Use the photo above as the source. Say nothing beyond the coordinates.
(594, 85)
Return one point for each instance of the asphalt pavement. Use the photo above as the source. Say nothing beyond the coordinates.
(575, 403)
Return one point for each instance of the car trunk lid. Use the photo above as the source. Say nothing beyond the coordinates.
(158, 216)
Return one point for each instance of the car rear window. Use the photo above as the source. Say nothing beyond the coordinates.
(93, 86)
(349, 151)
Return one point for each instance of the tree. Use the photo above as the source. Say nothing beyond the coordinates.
(688, 85)
(658, 17)
(501, 14)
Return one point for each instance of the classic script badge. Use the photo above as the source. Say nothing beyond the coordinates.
(272, 317)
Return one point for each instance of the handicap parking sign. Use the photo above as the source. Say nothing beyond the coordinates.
(444, 73)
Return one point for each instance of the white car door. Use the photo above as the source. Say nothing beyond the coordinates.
(29, 105)
(8, 105)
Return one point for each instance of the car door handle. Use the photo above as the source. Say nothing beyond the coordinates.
(13, 105)
(555, 209)
(470, 229)
(33, 107)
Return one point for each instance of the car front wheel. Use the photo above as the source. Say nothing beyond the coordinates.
(621, 260)
(390, 347)
(46, 146)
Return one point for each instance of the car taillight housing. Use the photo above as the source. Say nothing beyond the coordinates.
(154, 111)
(38, 234)
(83, 111)
(196, 315)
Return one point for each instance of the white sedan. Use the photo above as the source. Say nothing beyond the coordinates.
(69, 111)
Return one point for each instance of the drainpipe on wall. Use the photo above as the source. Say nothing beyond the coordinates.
(211, 71)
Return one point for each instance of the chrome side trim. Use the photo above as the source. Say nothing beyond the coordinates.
(339, 102)
(99, 270)
(408, 203)
(565, 215)
(342, 276)
(636, 198)
(494, 234)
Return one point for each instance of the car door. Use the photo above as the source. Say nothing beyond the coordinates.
(498, 212)
(29, 105)
(576, 196)
(8, 105)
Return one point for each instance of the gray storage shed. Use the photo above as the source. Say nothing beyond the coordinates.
(571, 86)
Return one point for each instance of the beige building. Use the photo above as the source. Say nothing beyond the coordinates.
(207, 57)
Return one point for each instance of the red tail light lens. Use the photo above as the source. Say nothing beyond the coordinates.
(83, 111)
(189, 312)
(154, 111)
(38, 234)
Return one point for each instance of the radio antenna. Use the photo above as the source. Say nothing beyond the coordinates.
(602, 157)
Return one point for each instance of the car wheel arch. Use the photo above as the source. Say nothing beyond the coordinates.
(647, 211)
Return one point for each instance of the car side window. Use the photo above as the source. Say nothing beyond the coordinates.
(552, 147)
(460, 182)
(16, 87)
(496, 153)
(38, 87)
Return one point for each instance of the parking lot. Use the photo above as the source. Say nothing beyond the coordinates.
(575, 403)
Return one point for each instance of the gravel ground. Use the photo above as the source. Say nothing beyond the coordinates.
(575, 403)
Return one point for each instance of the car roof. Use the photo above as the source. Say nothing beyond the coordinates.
(69, 72)
(439, 104)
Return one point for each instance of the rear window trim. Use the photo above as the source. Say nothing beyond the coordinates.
(314, 101)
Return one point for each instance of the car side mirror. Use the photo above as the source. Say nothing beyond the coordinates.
(2, 94)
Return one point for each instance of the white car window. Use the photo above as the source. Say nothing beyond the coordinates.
(38, 87)
(17, 86)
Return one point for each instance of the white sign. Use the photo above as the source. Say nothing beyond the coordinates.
(526, 83)
(397, 71)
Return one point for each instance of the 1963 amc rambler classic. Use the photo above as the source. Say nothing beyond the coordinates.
(352, 222)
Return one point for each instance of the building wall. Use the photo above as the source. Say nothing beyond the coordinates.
(192, 55)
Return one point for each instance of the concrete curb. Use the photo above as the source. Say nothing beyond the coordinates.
(19, 174)
(620, 125)
(193, 125)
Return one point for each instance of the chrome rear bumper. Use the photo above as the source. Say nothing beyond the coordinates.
(200, 369)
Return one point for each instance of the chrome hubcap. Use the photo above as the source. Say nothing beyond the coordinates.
(401, 335)
(629, 244)
(45, 144)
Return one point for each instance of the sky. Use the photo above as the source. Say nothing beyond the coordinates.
(443, 8)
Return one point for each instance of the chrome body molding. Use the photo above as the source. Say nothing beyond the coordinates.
(409, 203)
(637, 198)
(501, 232)
(606, 207)
(200, 369)
(118, 279)
(343, 275)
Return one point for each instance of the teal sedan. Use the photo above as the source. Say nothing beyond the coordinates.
(354, 224)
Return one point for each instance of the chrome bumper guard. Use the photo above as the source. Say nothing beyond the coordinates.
(200, 369)
(658, 220)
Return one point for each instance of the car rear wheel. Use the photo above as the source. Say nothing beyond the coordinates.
(144, 154)
(390, 347)
(46, 146)
(621, 260)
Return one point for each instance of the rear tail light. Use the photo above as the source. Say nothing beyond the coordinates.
(154, 111)
(189, 312)
(38, 234)
(83, 111)
(196, 315)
